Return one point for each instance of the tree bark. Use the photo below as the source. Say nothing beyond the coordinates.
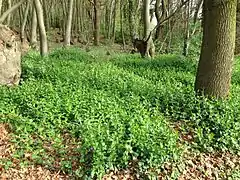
(131, 19)
(237, 43)
(150, 50)
(46, 19)
(114, 20)
(160, 6)
(1, 3)
(96, 31)
(24, 22)
(67, 38)
(33, 38)
(146, 17)
(41, 26)
(121, 23)
(64, 14)
(217, 52)
(9, 15)
(186, 29)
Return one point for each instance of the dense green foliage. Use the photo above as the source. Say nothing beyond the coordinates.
(235, 175)
(217, 123)
(93, 102)
(116, 109)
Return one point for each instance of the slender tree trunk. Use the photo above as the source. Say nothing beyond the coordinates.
(67, 38)
(63, 22)
(41, 26)
(114, 20)
(46, 19)
(110, 19)
(160, 16)
(146, 17)
(79, 16)
(33, 38)
(217, 53)
(197, 9)
(74, 19)
(24, 22)
(1, 7)
(121, 23)
(106, 21)
(169, 40)
(237, 43)
(186, 29)
(20, 16)
(9, 15)
(131, 19)
(188, 32)
(96, 22)
(150, 50)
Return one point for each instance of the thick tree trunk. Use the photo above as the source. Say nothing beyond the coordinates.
(41, 26)
(217, 53)
(67, 38)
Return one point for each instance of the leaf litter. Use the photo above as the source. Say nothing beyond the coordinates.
(205, 166)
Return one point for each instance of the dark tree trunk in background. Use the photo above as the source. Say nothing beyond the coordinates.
(237, 44)
(96, 22)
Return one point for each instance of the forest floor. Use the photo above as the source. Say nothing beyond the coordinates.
(41, 139)
(195, 165)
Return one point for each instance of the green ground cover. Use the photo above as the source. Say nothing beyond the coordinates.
(85, 113)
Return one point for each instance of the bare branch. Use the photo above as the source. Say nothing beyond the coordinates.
(171, 15)
(13, 8)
